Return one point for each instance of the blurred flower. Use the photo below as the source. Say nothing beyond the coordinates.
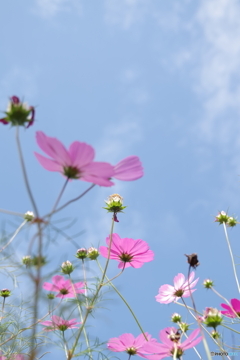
(5, 293)
(128, 169)
(27, 260)
(176, 317)
(215, 334)
(233, 310)
(92, 253)
(57, 323)
(29, 216)
(114, 203)
(212, 317)
(232, 221)
(127, 251)
(222, 217)
(193, 260)
(65, 288)
(169, 293)
(81, 253)
(171, 344)
(184, 326)
(208, 284)
(14, 357)
(67, 267)
(18, 113)
(75, 163)
(129, 344)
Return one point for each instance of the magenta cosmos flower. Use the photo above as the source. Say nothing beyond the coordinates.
(74, 163)
(64, 288)
(171, 343)
(232, 311)
(57, 323)
(128, 169)
(169, 293)
(127, 251)
(130, 344)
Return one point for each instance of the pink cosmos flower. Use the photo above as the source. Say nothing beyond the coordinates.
(127, 251)
(171, 342)
(168, 293)
(13, 357)
(75, 163)
(232, 311)
(65, 288)
(57, 323)
(130, 344)
(128, 169)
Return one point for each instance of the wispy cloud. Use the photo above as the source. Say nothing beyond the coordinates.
(50, 8)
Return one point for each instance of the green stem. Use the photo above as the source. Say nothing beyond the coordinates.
(65, 345)
(89, 309)
(25, 173)
(14, 235)
(125, 302)
(231, 255)
(12, 213)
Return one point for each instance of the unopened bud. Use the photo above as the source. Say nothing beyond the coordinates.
(81, 253)
(92, 253)
(67, 267)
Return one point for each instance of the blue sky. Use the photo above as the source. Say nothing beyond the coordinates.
(133, 77)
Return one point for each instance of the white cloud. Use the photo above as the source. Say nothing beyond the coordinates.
(50, 8)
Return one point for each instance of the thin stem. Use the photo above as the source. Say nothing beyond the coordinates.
(14, 235)
(70, 201)
(114, 276)
(193, 347)
(81, 318)
(65, 345)
(125, 302)
(25, 172)
(12, 213)
(4, 298)
(205, 344)
(59, 197)
(231, 255)
(89, 309)
(85, 282)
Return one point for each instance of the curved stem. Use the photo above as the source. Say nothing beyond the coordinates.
(70, 201)
(231, 255)
(125, 302)
(59, 197)
(114, 276)
(25, 173)
(14, 235)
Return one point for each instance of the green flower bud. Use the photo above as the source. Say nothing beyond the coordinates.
(81, 253)
(67, 267)
(92, 253)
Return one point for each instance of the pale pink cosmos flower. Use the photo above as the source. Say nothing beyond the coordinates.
(65, 288)
(127, 251)
(130, 344)
(128, 169)
(232, 311)
(74, 163)
(58, 323)
(171, 343)
(169, 293)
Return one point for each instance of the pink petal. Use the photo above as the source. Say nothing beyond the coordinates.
(81, 154)
(49, 164)
(178, 281)
(128, 169)
(236, 305)
(54, 148)
(190, 342)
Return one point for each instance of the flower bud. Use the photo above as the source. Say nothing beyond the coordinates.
(232, 221)
(215, 334)
(176, 317)
(114, 203)
(81, 253)
(18, 113)
(51, 296)
(222, 217)
(29, 216)
(92, 253)
(39, 261)
(208, 284)
(67, 267)
(27, 260)
(212, 317)
(5, 293)
(184, 326)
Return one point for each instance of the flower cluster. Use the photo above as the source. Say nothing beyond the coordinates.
(223, 218)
